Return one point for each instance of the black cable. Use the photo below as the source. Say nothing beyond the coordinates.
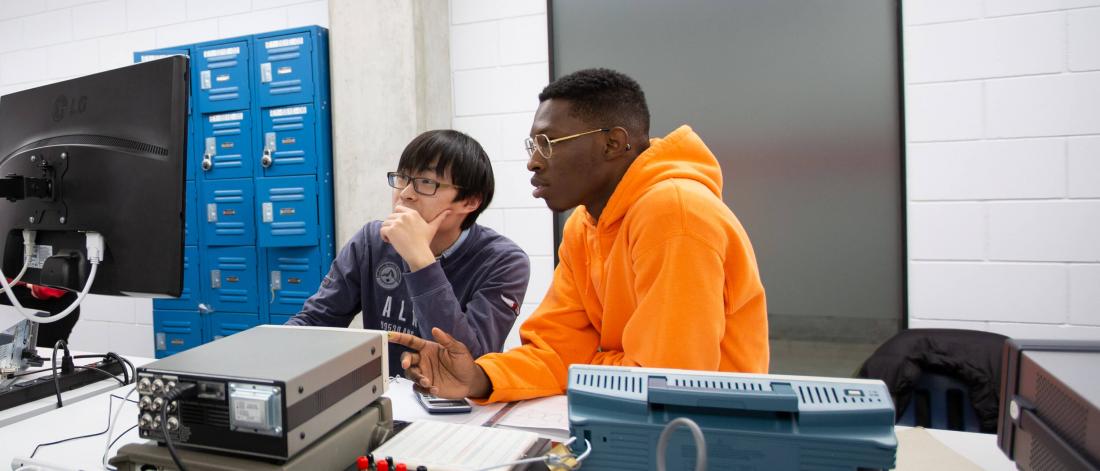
(110, 403)
(120, 436)
(81, 367)
(125, 372)
(53, 365)
(119, 358)
(180, 391)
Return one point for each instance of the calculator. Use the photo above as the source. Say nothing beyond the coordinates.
(438, 405)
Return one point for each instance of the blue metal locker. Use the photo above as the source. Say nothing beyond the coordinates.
(225, 324)
(190, 215)
(175, 331)
(189, 298)
(228, 212)
(289, 141)
(230, 283)
(259, 117)
(222, 70)
(293, 275)
(227, 145)
(287, 207)
(284, 65)
(146, 56)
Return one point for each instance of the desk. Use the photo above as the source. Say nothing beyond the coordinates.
(90, 416)
(31, 409)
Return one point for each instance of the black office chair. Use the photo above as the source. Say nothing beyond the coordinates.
(941, 378)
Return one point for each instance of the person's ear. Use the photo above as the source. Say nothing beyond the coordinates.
(469, 204)
(618, 142)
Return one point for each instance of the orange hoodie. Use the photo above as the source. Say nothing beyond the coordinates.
(666, 278)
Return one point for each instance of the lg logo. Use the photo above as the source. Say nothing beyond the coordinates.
(65, 106)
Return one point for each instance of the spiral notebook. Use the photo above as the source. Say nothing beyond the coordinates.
(442, 446)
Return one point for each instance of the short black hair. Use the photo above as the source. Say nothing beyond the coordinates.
(449, 152)
(602, 97)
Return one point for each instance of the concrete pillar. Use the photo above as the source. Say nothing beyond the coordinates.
(391, 80)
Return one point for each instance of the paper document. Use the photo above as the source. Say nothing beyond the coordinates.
(547, 416)
(442, 446)
(919, 450)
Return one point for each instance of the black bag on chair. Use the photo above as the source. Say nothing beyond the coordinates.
(944, 357)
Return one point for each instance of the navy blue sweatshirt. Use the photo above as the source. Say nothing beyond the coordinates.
(473, 291)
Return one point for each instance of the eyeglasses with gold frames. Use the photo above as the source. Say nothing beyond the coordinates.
(545, 146)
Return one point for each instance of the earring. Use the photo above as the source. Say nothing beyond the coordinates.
(628, 147)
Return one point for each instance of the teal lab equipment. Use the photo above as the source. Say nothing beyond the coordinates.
(748, 421)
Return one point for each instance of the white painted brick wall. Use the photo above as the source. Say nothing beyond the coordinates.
(44, 41)
(947, 231)
(1063, 231)
(943, 112)
(1084, 39)
(937, 11)
(499, 64)
(1050, 105)
(1084, 167)
(1004, 220)
(994, 169)
(1019, 45)
(1017, 292)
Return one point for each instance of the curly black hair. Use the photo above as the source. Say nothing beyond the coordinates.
(603, 98)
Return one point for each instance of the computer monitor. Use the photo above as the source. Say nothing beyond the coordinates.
(104, 153)
(1050, 404)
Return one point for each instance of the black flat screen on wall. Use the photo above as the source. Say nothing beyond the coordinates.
(801, 102)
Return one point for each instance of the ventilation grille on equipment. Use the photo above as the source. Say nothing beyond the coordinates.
(1063, 414)
(715, 384)
(830, 395)
(96, 141)
(617, 382)
(1042, 458)
(212, 414)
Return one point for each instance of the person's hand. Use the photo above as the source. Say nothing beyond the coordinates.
(446, 369)
(411, 235)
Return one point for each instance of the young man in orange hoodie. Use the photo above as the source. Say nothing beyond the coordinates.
(655, 270)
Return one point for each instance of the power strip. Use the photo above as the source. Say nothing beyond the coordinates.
(38, 388)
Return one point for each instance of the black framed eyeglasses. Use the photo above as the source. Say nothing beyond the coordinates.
(545, 146)
(423, 186)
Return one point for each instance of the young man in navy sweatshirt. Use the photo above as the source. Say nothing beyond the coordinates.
(428, 264)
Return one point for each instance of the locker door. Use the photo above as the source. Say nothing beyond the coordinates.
(224, 325)
(279, 320)
(175, 331)
(189, 298)
(190, 215)
(293, 275)
(229, 212)
(227, 145)
(289, 140)
(230, 284)
(222, 77)
(288, 211)
(286, 71)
